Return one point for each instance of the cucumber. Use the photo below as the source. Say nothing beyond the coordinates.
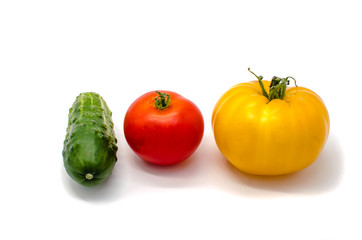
(90, 145)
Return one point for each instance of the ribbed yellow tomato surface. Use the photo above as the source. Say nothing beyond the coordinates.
(274, 137)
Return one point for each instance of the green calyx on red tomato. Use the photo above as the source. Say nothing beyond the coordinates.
(163, 128)
(162, 101)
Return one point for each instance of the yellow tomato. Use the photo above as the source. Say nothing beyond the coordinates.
(270, 137)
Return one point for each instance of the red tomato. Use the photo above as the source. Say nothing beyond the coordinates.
(163, 128)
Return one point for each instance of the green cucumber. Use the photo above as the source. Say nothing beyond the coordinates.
(90, 145)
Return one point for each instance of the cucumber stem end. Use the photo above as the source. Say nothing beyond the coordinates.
(89, 176)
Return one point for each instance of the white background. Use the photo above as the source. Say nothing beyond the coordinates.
(50, 51)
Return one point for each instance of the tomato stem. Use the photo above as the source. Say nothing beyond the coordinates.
(277, 88)
(162, 101)
(260, 78)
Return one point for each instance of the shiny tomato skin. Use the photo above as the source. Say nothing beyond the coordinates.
(276, 137)
(163, 137)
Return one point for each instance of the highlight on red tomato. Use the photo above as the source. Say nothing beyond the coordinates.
(163, 128)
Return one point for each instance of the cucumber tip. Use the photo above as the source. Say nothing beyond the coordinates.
(89, 176)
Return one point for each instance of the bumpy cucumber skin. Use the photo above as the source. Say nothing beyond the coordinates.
(90, 145)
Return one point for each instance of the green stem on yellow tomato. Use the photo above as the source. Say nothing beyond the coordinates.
(277, 87)
(162, 101)
(260, 78)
